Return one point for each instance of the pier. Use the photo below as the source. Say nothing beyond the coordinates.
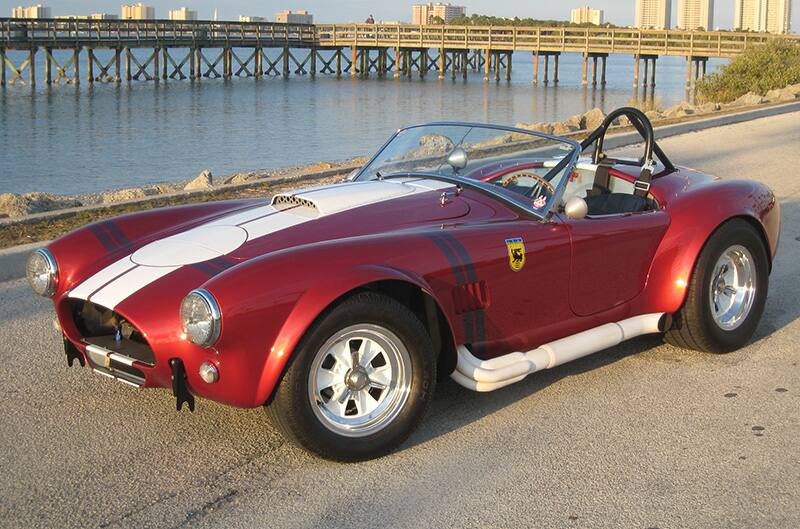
(196, 50)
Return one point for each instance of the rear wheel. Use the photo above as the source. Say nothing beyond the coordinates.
(727, 292)
(361, 380)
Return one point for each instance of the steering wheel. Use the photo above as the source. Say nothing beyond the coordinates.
(541, 182)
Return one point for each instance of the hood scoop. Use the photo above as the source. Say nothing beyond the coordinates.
(332, 199)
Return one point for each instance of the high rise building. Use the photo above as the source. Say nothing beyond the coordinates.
(586, 15)
(773, 16)
(138, 12)
(37, 11)
(427, 13)
(183, 13)
(294, 17)
(694, 14)
(653, 14)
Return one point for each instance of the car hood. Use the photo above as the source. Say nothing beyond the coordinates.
(318, 214)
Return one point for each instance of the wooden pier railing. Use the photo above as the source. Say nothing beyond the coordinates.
(283, 49)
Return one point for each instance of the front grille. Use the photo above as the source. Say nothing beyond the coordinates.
(108, 330)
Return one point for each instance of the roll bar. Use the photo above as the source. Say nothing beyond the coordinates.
(642, 125)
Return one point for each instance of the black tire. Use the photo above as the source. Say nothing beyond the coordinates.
(694, 326)
(291, 409)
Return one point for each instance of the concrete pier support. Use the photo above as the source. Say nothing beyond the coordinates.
(32, 66)
(535, 68)
(509, 63)
(636, 71)
(76, 66)
(117, 76)
(603, 71)
(48, 64)
(594, 70)
(555, 67)
(90, 65)
(487, 66)
(546, 69)
(442, 62)
(156, 69)
(584, 81)
(698, 62)
(2, 67)
(128, 64)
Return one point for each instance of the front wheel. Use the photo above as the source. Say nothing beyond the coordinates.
(361, 380)
(727, 292)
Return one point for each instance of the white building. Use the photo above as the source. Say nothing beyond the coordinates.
(294, 17)
(244, 18)
(694, 14)
(426, 13)
(183, 13)
(93, 16)
(586, 15)
(138, 12)
(37, 11)
(773, 16)
(653, 14)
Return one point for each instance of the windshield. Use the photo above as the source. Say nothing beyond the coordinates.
(524, 167)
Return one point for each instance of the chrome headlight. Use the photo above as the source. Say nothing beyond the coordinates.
(200, 318)
(42, 272)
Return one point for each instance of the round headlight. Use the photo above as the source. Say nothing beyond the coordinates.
(41, 271)
(200, 318)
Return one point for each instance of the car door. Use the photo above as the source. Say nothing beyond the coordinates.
(611, 256)
(513, 292)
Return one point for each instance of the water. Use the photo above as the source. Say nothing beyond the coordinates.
(67, 139)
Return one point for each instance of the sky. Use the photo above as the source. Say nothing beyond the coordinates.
(618, 12)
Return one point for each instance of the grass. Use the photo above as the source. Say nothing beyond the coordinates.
(760, 69)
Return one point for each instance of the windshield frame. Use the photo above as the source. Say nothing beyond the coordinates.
(518, 205)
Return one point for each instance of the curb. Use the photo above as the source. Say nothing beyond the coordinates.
(12, 260)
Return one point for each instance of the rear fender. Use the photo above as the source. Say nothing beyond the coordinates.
(695, 217)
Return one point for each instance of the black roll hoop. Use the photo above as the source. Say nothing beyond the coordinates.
(643, 126)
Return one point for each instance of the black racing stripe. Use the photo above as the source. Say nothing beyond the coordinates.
(214, 266)
(472, 277)
(102, 236)
(221, 263)
(205, 268)
(116, 232)
(460, 281)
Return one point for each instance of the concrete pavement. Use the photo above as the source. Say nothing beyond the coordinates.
(640, 435)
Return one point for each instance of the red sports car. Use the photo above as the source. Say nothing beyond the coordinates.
(476, 251)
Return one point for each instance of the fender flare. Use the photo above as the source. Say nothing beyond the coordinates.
(314, 301)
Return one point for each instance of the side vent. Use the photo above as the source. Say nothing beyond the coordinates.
(470, 297)
(292, 201)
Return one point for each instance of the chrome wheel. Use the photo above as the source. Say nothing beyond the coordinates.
(359, 380)
(733, 287)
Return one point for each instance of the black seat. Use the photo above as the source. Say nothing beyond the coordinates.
(614, 203)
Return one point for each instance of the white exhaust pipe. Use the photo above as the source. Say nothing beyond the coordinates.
(488, 375)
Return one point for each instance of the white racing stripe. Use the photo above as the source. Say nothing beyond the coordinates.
(114, 284)
(106, 275)
(122, 287)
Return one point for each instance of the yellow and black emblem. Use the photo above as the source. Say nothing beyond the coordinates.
(516, 253)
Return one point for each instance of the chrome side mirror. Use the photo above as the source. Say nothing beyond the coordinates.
(457, 159)
(576, 208)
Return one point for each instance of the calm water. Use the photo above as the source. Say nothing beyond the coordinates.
(91, 138)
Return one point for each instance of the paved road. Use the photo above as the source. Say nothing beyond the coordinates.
(641, 435)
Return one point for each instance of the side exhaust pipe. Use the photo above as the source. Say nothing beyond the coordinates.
(488, 375)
